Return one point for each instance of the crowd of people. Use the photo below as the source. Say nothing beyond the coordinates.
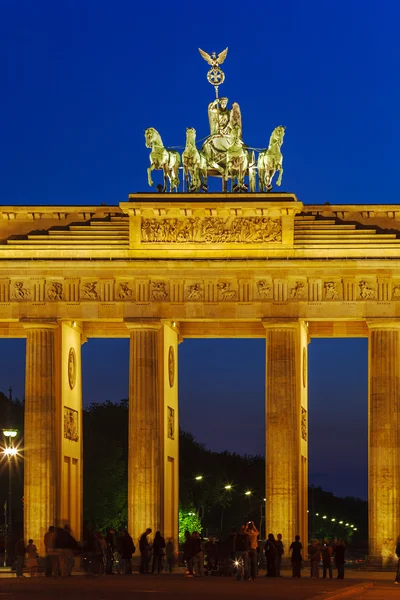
(241, 555)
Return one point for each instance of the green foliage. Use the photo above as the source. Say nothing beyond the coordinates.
(105, 473)
(188, 521)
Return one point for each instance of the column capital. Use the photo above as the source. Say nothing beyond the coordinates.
(143, 323)
(383, 324)
(38, 323)
(284, 323)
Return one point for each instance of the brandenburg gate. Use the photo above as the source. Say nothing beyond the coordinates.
(161, 268)
(164, 267)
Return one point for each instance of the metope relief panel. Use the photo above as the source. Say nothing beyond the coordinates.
(4, 290)
(194, 292)
(90, 290)
(20, 290)
(263, 289)
(72, 290)
(227, 291)
(298, 290)
(211, 230)
(332, 290)
(124, 290)
(367, 289)
(159, 291)
(54, 291)
(396, 290)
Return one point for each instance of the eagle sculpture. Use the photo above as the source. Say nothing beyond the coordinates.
(214, 60)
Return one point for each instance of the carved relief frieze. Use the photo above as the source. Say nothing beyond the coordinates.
(226, 293)
(211, 230)
(366, 291)
(195, 291)
(396, 292)
(303, 423)
(159, 291)
(298, 291)
(264, 289)
(54, 291)
(71, 424)
(124, 291)
(20, 291)
(90, 291)
(332, 290)
(170, 423)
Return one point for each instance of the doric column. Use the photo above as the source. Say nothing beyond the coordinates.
(384, 440)
(40, 444)
(145, 451)
(286, 429)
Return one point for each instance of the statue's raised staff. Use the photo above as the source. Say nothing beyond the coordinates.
(162, 159)
(194, 164)
(270, 161)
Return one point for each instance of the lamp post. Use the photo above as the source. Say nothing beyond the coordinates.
(9, 452)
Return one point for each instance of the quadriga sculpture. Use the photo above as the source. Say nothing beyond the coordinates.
(161, 158)
(194, 164)
(270, 161)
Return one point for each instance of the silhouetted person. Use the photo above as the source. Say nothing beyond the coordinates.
(198, 559)
(144, 548)
(270, 555)
(314, 553)
(127, 549)
(158, 552)
(253, 534)
(279, 554)
(170, 552)
(188, 553)
(326, 552)
(339, 558)
(242, 548)
(296, 547)
(51, 562)
(20, 554)
(397, 579)
(212, 554)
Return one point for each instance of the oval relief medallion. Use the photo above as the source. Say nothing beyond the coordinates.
(72, 368)
(171, 366)
(304, 367)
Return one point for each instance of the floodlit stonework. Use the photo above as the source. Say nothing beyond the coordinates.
(161, 268)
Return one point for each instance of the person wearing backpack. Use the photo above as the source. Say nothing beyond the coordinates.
(242, 547)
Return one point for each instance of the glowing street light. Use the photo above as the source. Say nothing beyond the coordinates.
(10, 451)
(10, 433)
(324, 517)
(199, 477)
(248, 493)
(333, 519)
(228, 487)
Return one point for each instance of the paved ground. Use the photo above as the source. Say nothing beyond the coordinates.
(380, 591)
(172, 587)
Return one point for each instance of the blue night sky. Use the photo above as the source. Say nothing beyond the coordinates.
(81, 80)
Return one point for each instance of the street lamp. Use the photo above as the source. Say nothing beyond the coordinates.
(228, 487)
(199, 477)
(9, 452)
(248, 493)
